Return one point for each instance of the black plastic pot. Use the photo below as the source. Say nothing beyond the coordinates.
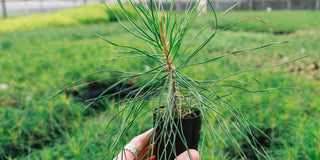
(167, 148)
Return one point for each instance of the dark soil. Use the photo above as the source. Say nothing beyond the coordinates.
(282, 32)
(263, 142)
(101, 90)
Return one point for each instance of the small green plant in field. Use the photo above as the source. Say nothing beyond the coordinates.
(173, 95)
(35, 63)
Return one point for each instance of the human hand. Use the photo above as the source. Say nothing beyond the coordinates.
(140, 142)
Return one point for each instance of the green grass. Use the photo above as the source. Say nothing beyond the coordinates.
(35, 64)
(80, 15)
(283, 20)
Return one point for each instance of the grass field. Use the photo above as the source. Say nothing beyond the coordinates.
(37, 62)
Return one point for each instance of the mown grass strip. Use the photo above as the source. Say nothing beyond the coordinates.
(86, 14)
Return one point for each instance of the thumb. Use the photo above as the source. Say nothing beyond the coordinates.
(194, 155)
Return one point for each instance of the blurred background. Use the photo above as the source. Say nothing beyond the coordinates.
(47, 45)
(23, 7)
